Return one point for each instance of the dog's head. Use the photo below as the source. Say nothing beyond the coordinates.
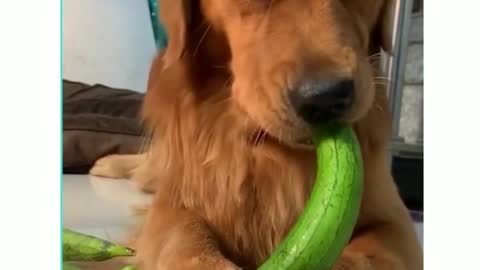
(293, 64)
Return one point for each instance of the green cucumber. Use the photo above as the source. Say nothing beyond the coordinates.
(324, 228)
(129, 267)
(67, 266)
(81, 247)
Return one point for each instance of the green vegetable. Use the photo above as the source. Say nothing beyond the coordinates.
(67, 266)
(81, 247)
(326, 225)
(130, 267)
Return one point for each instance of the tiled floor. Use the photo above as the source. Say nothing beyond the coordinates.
(103, 207)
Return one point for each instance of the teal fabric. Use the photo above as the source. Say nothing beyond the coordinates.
(159, 32)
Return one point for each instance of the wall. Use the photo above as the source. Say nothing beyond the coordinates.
(108, 42)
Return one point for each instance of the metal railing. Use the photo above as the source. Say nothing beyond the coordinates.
(395, 71)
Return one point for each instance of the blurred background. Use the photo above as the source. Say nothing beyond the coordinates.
(405, 72)
(108, 42)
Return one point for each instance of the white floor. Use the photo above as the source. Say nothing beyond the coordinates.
(103, 207)
(98, 206)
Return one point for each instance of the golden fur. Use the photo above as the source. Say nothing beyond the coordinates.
(227, 159)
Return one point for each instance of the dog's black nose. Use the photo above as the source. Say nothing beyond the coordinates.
(321, 101)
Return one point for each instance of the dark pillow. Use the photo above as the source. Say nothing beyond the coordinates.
(98, 120)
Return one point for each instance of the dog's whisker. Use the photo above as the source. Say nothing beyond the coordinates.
(258, 137)
(265, 134)
(228, 81)
(202, 38)
(374, 58)
(381, 81)
(375, 55)
(253, 137)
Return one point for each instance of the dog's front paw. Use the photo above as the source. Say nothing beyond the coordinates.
(353, 261)
(112, 166)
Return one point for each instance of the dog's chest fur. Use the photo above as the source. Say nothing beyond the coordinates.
(249, 197)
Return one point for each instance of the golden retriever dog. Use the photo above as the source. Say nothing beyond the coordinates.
(230, 106)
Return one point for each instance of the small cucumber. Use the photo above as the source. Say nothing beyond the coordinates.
(324, 228)
(67, 266)
(81, 247)
(129, 267)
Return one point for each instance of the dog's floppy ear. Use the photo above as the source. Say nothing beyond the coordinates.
(175, 16)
